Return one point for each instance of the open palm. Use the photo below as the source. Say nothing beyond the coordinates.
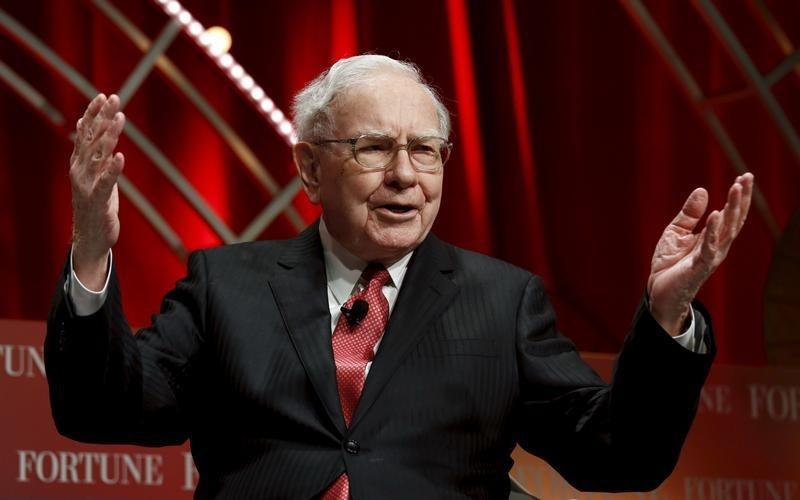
(684, 259)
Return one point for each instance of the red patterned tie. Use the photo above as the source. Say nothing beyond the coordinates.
(353, 347)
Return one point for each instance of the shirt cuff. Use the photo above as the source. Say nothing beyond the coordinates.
(86, 302)
(691, 339)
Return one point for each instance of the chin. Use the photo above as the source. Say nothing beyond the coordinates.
(395, 244)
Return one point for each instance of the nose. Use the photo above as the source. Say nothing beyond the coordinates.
(400, 171)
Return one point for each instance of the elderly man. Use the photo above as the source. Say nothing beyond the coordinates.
(365, 358)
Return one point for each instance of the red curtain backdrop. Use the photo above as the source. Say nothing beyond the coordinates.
(574, 145)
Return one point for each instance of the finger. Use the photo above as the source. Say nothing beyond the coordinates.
(88, 151)
(104, 147)
(89, 129)
(89, 115)
(103, 118)
(730, 214)
(692, 211)
(748, 182)
(81, 127)
(114, 199)
(709, 248)
(106, 116)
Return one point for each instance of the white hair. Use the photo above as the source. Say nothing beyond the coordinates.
(312, 105)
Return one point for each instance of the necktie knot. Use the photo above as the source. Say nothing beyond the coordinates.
(375, 276)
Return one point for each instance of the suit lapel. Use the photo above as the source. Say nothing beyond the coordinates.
(300, 290)
(427, 290)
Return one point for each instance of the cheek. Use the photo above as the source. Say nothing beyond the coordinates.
(430, 213)
(360, 187)
(350, 192)
(432, 189)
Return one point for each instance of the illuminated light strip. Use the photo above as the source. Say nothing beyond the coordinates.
(235, 72)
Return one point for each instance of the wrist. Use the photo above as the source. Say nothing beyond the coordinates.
(674, 320)
(91, 268)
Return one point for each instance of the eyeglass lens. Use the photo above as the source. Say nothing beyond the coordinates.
(377, 151)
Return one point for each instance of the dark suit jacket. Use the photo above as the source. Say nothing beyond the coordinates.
(240, 362)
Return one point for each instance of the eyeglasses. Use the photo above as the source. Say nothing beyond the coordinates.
(376, 152)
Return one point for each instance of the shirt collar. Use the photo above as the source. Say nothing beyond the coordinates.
(344, 269)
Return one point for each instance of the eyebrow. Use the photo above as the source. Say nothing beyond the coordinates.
(372, 132)
(425, 133)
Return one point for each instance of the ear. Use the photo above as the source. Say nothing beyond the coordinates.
(307, 163)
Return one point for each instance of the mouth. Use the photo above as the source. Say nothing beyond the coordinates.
(397, 211)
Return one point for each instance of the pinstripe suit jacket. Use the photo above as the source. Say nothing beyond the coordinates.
(239, 361)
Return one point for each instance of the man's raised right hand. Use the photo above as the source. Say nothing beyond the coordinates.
(94, 169)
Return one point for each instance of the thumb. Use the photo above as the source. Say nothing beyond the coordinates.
(692, 211)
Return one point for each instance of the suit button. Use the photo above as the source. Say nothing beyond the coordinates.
(351, 447)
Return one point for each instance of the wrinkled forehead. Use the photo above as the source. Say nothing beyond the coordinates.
(391, 104)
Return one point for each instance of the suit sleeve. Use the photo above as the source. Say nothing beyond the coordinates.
(623, 437)
(108, 385)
